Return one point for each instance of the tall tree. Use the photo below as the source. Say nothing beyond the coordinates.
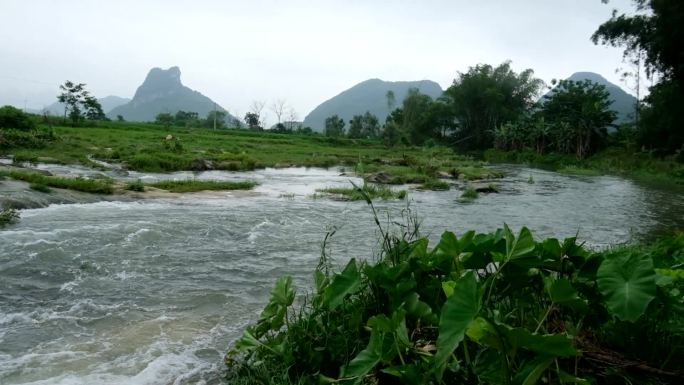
(655, 33)
(486, 97)
(584, 108)
(334, 126)
(79, 103)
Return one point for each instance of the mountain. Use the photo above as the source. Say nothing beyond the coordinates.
(369, 95)
(108, 103)
(623, 103)
(162, 91)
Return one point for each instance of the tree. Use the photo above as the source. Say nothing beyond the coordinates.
(355, 127)
(370, 127)
(252, 120)
(584, 108)
(292, 119)
(93, 109)
(654, 32)
(14, 118)
(486, 97)
(278, 108)
(78, 103)
(416, 120)
(334, 126)
(218, 116)
(165, 119)
(120, 118)
(256, 109)
(186, 119)
(391, 100)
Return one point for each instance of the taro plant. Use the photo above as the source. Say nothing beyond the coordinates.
(493, 308)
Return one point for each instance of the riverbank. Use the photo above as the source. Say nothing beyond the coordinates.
(612, 161)
(548, 311)
(152, 148)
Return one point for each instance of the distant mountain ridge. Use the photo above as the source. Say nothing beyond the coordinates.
(369, 95)
(162, 91)
(623, 102)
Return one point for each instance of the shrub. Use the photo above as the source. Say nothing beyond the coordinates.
(40, 187)
(11, 117)
(490, 308)
(8, 216)
(135, 186)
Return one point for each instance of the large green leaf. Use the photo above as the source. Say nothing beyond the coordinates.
(562, 293)
(556, 345)
(459, 310)
(518, 247)
(530, 373)
(343, 284)
(283, 293)
(364, 362)
(628, 284)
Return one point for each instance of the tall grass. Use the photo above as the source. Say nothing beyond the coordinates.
(99, 186)
(192, 185)
(364, 192)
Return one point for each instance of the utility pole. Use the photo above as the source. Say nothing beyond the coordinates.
(214, 116)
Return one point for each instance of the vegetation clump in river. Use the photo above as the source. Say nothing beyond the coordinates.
(364, 192)
(493, 308)
(8, 216)
(192, 185)
(94, 186)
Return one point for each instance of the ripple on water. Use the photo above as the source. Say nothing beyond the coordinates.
(153, 292)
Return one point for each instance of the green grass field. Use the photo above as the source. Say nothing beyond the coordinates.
(153, 148)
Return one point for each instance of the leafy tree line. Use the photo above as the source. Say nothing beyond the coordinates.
(494, 106)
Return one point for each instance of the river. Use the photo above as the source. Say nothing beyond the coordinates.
(154, 291)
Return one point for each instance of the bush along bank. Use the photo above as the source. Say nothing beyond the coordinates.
(490, 308)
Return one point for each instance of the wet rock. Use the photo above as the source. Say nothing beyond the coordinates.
(379, 177)
(443, 174)
(282, 165)
(201, 165)
(484, 187)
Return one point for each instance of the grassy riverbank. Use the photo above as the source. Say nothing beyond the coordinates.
(548, 311)
(615, 161)
(153, 148)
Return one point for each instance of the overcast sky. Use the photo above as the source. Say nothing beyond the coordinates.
(302, 51)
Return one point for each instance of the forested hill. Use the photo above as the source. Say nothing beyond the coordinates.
(370, 95)
(162, 91)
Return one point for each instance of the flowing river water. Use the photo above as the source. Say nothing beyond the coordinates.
(154, 291)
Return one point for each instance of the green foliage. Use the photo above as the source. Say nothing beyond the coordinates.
(334, 127)
(484, 308)
(164, 119)
(468, 195)
(8, 216)
(94, 186)
(40, 187)
(78, 103)
(487, 97)
(654, 34)
(136, 185)
(14, 118)
(365, 192)
(435, 185)
(628, 283)
(191, 185)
